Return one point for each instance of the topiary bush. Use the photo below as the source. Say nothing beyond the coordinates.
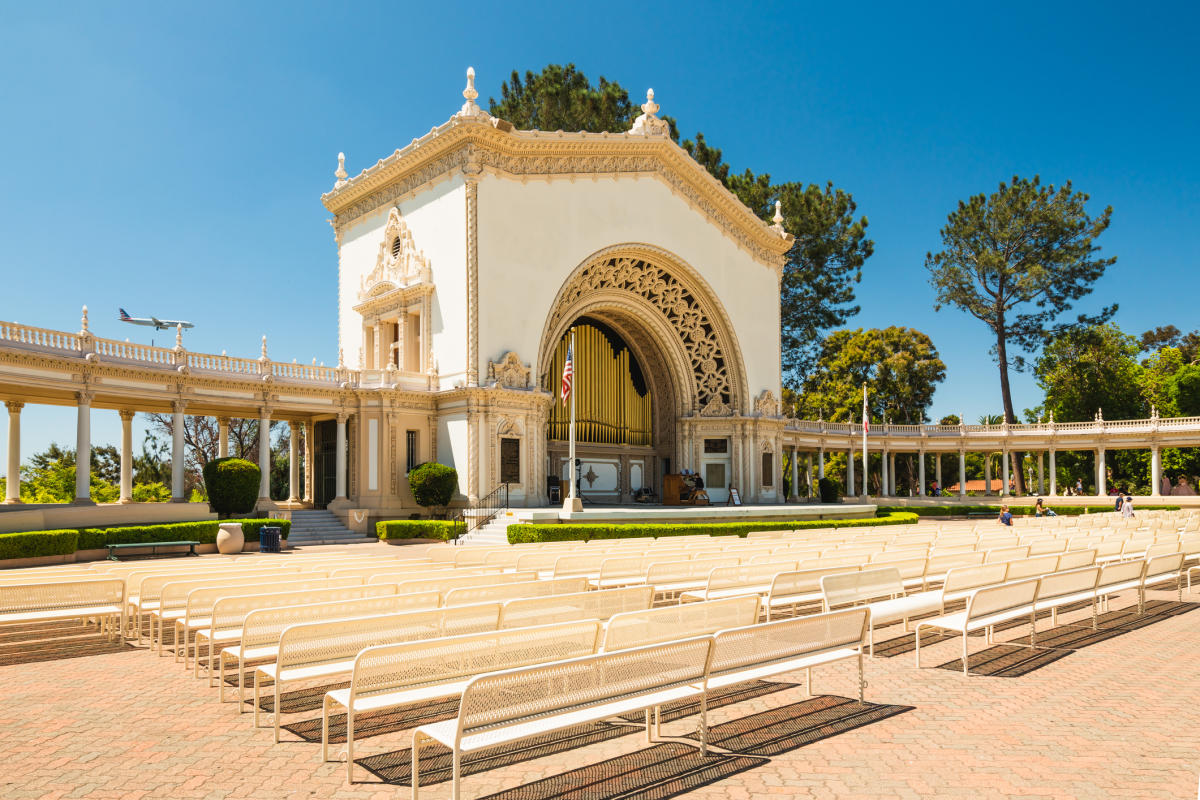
(433, 484)
(829, 490)
(232, 485)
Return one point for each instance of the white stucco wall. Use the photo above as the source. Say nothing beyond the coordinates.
(437, 219)
(533, 235)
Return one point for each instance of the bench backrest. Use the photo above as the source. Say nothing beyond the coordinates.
(962, 579)
(173, 595)
(511, 591)
(600, 605)
(1000, 598)
(1030, 567)
(264, 626)
(745, 575)
(200, 602)
(148, 585)
(29, 597)
(768, 642)
(568, 566)
(229, 613)
(851, 588)
(623, 567)
(499, 699)
(640, 628)
(1164, 566)
(429, 662)
(341, 640)
(1063, 584)
(1121, 572)
(457, 581)
(475, 556)
(1073, 559)
(940, 563)
(666, 572)
(803, 581)
(1043, 547)
(1005, 554)
(539, 561)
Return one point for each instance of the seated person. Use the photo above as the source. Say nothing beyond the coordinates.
(698, 494)
(1005, 517)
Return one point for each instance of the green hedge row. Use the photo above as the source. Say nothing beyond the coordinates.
(518, 534)
(1017, 511)
(415, 529)
(32, 544)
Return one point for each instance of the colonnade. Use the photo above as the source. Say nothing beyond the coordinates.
(297, 493)
(888, 480)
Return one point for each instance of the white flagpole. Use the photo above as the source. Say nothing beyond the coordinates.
(865, 471)
(571, 499)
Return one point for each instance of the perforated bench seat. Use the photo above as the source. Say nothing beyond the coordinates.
(721, 594)
(779, 667)
(58, 613)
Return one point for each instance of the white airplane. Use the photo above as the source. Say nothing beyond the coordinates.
(154, 322)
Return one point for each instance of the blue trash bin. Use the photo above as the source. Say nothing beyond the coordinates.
(269, 537)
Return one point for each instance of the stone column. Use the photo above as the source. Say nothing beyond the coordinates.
(1053, 475)
(12, 489)
(264, 455)
(402, 340)
(341, 457)
(987, 474)
(921, 474)
(379, 348)
(1041, 473)
(306, 431)
(892, 475)
(222, 437)
(126, 456)
(883, 473)
(1155, 471)
(937, 471)
(83, 449)
(1004, 474)
(850, 471)
(293, 462)
(1101, 474)
(177, 454)
(821, 463)
(795, 493)
(808, 475)
(962, 474)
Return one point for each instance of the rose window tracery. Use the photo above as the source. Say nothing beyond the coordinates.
(677, 304)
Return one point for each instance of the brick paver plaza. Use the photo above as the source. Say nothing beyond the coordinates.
(1112, 714)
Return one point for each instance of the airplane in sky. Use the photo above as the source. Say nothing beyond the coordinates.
(154, 322)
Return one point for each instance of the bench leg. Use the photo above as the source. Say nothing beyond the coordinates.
(221, 677)
(917, 644)
(350, 744)
(325, 729)
(704, 724)
(964, 654)
(862, 681)
(456, 774)
(256, 699)
(646, 715)
(416, 763)
(276, 715)
(241, 686)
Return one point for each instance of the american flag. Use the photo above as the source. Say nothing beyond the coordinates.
(866, 423)
(568, 377)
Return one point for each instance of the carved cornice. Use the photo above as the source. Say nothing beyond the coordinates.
(464, 144)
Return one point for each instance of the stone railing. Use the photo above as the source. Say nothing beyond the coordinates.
(39, 338)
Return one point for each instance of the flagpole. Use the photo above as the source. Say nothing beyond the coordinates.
(865, 471)
(573, 503)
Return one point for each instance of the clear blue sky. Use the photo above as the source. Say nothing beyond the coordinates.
(169, 157)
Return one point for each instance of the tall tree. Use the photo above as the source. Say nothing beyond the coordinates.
(900, 366)
(1017, 260)
(1084, 371)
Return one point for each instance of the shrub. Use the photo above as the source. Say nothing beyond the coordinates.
(204, 532)
(415, 529)
(829, 490)
(155, 492)
(232, 485)
(38, 543)
(433, 484)
(521, 533)
(1017, 511)
(250, 527)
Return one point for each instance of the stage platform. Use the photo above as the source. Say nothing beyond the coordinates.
(665, 515)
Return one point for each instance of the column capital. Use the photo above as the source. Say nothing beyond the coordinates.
(264, 413)
(178, 406)
(14, 406)
(343, 417)
(84, 398)
(127, 414)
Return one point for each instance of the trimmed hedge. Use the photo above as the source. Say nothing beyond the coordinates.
(415, 529)
(38, 543)
(1017, 511)
(520, 533)
(204, 532)
(250, 527)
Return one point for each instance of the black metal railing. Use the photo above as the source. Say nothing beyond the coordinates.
(486, 508)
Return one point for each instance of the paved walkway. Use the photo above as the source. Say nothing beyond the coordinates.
(1116, 715)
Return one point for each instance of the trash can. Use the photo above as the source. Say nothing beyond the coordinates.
(269, 538)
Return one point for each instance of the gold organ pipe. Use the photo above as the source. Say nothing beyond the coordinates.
(608, 408)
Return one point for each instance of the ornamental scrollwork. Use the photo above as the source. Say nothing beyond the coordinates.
(766, 404)
(398, 263)
(509, 372)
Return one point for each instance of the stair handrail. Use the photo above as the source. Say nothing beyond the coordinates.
(487, 508)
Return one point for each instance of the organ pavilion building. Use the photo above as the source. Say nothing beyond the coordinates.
(465, 259)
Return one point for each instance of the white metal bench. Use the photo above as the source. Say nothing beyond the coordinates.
(509, 591)
(102, 599)
(986, 608)
(881, 591)
(655, 625)
(601, 605)
(502, 708)
(733, 581)
(397, 675)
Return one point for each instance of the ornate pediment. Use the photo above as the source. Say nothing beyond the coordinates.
(766, 404)
(716, 408)
(399, 262)
(509, 372)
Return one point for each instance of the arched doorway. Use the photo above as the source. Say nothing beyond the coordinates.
(651, 322)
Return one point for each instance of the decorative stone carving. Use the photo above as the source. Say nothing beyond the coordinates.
(647, 123)
(509, 372)
(683, 311)
(715, 408)
(398, 263)
(510, 427)
(766, 404)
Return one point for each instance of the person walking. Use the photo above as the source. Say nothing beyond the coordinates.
(1127, 507)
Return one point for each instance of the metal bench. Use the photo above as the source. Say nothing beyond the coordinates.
(397, 675)
(601, 605)
(506, 707)
(740, 580)
(800, 588)
(986, 608)
(102, 599)
(881, 591)
(154, 546)
(656, 625)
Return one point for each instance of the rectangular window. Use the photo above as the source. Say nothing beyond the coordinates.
(410, 450)
(716, 445)
(714, 476)
(768, 469)
(510, 460)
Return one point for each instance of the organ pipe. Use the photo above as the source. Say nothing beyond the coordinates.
(608, 408)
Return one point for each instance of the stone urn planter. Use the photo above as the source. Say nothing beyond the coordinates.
(230, 539)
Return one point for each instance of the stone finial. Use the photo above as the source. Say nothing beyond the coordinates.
(1099, 414)
(178, 336)
(1052, 417)
(263, 357)
(469, 108)
(778, 218)
(341, 360)
(341, 171)
(83, 329)
(1153, 411)
(648, 124)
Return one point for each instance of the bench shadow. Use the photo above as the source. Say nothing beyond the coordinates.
(780, 730)
(55, 641)
(655, 773)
